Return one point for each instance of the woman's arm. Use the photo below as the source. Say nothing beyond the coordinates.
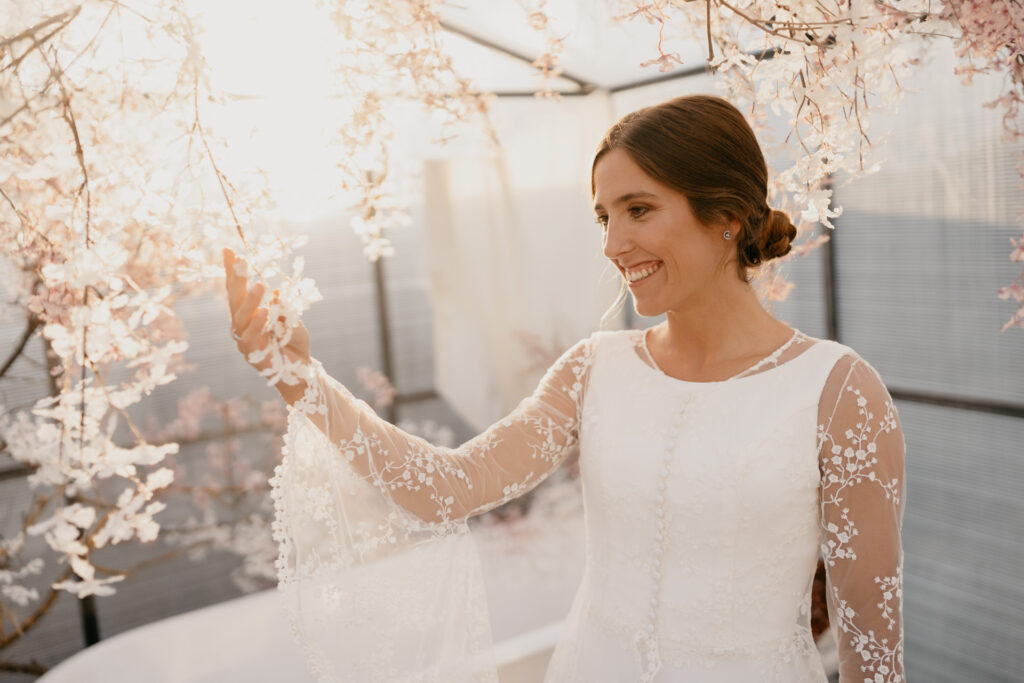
(436, 484)
(440, 484)
(863, 493)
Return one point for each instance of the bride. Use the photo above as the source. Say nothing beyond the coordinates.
(721, 452)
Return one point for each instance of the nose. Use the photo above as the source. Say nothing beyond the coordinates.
(613, 241)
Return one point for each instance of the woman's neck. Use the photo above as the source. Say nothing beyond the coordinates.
(718, 332)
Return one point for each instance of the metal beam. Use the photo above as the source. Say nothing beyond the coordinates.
(978, 405)
(661, 78)
(831, 289)
(584, 85)
(384, 328)
(686, 73)
(532, 93)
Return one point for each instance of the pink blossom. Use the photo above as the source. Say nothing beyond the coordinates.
(1018, 252)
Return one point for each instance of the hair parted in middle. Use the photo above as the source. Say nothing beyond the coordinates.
(703, 147)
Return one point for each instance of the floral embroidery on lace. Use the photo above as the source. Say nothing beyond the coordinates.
(371, 524)
(862, 497)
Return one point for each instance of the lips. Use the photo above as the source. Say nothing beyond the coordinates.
(641, 267)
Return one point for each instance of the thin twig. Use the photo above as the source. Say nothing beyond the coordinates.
(31, 30)
(31, 325)
(213, 162)
(802, 26)
(33, 618)
(711, 51)
(37, 44)
(33, 668)
(163, 557)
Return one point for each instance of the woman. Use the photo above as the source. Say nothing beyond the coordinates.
(720, 452)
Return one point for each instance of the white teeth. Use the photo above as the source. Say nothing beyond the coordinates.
(644, 272)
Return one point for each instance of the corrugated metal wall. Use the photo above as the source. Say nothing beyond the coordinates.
(920, 251)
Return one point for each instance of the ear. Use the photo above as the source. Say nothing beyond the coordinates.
(727, 223)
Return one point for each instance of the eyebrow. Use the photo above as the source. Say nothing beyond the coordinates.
(625, 198)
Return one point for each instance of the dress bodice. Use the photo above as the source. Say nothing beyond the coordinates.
(702, 509)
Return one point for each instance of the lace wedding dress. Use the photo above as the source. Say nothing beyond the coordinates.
(706, 506)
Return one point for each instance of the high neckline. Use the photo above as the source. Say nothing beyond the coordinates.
(795, 337)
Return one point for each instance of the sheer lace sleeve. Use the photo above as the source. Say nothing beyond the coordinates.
(376, 563)
(863, 493)
(444, 484)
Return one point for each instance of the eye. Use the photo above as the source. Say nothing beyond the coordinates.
(601, 220)
(642, 209)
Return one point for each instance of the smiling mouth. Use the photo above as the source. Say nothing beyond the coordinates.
(642, 275)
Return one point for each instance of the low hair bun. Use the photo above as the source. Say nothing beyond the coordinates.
(769, 235)
(779, 234)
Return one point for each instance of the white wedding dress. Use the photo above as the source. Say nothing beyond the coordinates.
(706, 506)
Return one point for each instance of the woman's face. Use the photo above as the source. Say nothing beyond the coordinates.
(649, 225)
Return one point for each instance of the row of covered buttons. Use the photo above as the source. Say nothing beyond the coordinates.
(653, 660)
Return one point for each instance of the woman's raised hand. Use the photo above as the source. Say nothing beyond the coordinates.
(249, 319)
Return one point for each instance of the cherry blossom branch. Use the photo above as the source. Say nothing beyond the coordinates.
(763, 25)
(711, 51)
(221, 178)
(63, 19)
(33, 668)
(31, 325)
(152, 561)
(29, 622)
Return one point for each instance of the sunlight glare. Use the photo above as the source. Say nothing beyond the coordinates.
(274, 59)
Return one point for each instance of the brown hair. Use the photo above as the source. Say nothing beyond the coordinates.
(701, 146)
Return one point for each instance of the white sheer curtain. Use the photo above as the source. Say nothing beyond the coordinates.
(512, 248)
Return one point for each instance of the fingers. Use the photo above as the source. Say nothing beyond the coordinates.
(276, 298)
(235, 283)
(240, 320)
(253, 338)
(229, 273)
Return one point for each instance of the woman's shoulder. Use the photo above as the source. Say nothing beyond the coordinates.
(850, 370)
(605, 337)
(608, 339)
(837, 351)
(613, 333)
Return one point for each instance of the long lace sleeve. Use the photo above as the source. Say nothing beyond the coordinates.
(379, 571)
(863, 493)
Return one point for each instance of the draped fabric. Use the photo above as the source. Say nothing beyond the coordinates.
(381, 578)
(484, 246)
